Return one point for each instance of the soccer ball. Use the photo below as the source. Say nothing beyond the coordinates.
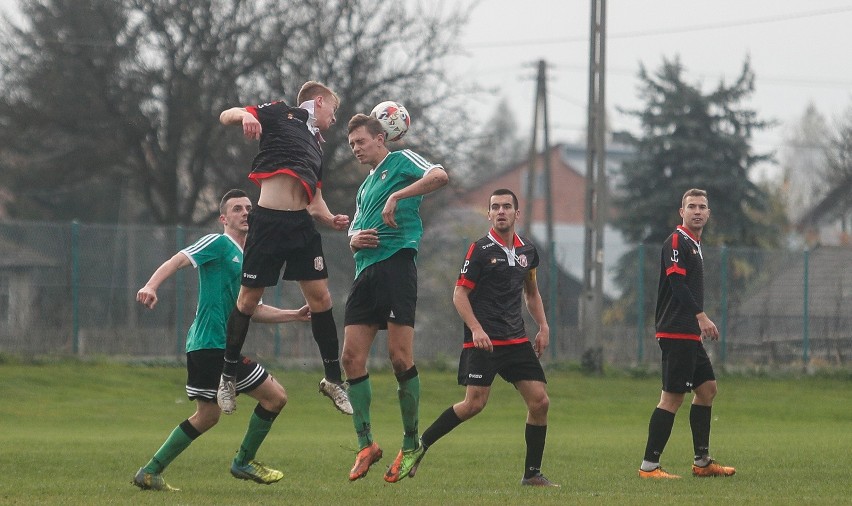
(394, 119)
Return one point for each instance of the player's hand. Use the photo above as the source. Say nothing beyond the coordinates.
(481, 341)
(708, 328)
(389, 211)
(367, 238)
(251, 127)
(304, 314)
(339, 222)
(541, 342)
(147, 296)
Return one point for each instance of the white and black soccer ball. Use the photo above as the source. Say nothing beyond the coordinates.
(394, 119)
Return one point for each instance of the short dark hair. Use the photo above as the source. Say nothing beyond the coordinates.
(374, 126)
(504, 191)
(230, 194)
(694, 192)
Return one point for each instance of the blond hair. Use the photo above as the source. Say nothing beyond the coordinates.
(313, 89)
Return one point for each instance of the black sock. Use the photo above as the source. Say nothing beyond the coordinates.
(235, 331)
(325, 334)
(265, 414)
(659, 430)
(535, 436)
(447, 421)
(190, 431)
(699, 421)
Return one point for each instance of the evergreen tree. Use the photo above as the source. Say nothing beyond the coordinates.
(694, 140)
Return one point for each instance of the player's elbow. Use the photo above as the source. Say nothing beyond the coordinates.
(440, 177)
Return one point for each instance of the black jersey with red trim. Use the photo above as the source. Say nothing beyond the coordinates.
(495, 273)
(675, 316)
(287, 146)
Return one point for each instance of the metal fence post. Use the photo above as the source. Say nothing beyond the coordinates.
(277, 328)
(75, 286)
(640, 305)
(180, 292)
(723, 330)
(805, 312)
(554, 306)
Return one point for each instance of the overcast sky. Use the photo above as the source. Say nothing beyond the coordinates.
(800, 51)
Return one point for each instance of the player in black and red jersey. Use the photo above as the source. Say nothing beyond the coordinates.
(288, 168)
(497, 275)
(681, 325)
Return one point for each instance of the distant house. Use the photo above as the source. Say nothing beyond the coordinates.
(770, 321)
(829, 221)
(568, 189)
(18, 291)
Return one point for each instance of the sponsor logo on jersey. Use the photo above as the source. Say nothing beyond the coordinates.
(236, 259)
(488, 245)
(493, 260)
(477, 376)
(249, 276)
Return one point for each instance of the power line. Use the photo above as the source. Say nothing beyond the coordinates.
(664, 31)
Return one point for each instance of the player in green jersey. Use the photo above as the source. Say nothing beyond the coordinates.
(384, 237)
(218, 258)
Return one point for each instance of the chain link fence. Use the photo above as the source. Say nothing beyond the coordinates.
(68, 289)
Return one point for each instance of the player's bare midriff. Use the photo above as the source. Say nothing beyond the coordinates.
(282, 192)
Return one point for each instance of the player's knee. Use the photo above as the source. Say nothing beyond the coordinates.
(470, 408)
(540, 405)
(319, 302)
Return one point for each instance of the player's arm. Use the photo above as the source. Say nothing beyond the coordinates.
(318, 209)
(435, 179)
(147, 295)
(535, 306)
(461, 300)
(272, 314)
(241, 116)
(682, 293)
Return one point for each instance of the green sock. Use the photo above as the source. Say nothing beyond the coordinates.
(409, 402)
(179, 440)
(258, 427)
(360, 395)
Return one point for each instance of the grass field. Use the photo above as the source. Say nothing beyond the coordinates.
(74, 433)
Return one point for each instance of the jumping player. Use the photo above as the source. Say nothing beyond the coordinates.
(384, 238)
(288, 168)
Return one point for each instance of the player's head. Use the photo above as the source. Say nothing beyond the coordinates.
(325, 100)
(367, 139)
(503, 210)
(695, 210)
(693, 192)
(234, 209)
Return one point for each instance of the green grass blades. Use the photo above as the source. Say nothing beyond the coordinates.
(75, 433)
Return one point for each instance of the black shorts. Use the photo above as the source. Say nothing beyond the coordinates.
(384, 292)
(513, 362)
(204, 369)
(276, 238)
(685, 365)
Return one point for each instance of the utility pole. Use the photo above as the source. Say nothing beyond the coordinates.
(596, 196)
(540, 116)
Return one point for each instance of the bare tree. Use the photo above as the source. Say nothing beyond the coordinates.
(120, 98)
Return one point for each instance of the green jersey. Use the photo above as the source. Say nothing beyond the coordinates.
(398, 170)
(219, 260)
